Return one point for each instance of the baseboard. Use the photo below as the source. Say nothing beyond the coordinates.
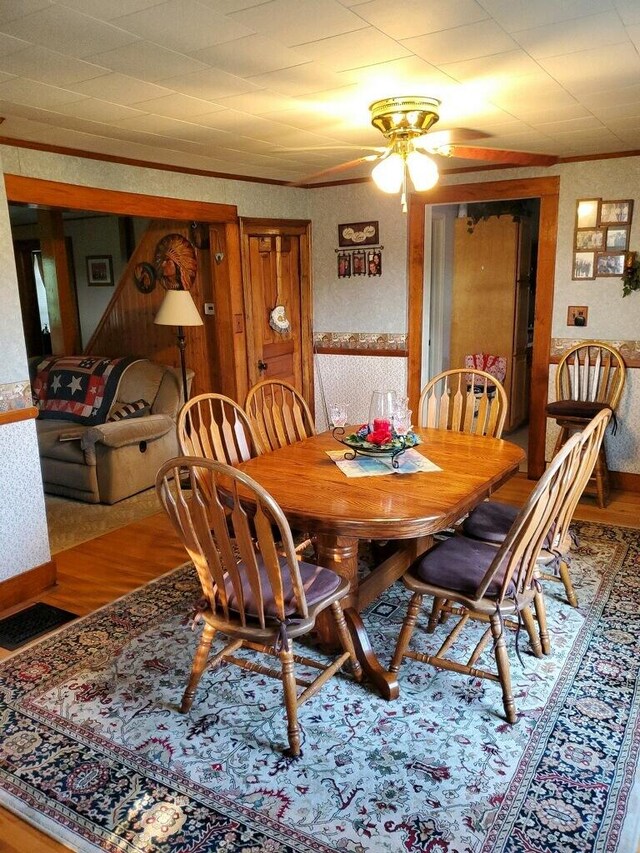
(625, 481)
(22, 587)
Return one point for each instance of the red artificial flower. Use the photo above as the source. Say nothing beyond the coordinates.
(381, 423)
(380, 436)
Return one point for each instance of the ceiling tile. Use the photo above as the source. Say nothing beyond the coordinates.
(512, 63)
(570, 125)
(466, 42)
(147, 61)
(403, 19)
(68, 31)
(209, 84)
(119, 89)
(254, 54)
(93, 109)
(629, 11)
(355, 50)
(177, 106)
(623, 95)
(599, 68)
(109, 10)
(183, 25)
(258, 103)
(10, 45)
(582, 34)
(299, 80)
(38, 63)
(520, 92)
(12, 9)
(515, 15)
(34, 94)
(295, 22)
(634, 34)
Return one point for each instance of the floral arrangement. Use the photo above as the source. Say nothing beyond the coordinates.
(382, 435)
(631, 274)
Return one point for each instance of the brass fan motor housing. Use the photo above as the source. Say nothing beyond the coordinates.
(405, 117)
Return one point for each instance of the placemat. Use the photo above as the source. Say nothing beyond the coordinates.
(411, 462)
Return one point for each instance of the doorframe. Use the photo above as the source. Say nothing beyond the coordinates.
(547, 190)
(250, 226)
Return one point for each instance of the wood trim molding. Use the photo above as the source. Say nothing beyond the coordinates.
(547, 190)
(15, 415)
(625, 481)
(76, 197)
(28, 584)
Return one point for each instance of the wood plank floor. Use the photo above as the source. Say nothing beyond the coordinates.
(96, 572)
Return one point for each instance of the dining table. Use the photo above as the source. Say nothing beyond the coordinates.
(402, 510)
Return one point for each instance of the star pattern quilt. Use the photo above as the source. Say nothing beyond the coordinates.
(80, 389)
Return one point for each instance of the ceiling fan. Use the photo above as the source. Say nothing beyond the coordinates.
(405, 122)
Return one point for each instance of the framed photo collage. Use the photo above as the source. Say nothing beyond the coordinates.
(601, 238)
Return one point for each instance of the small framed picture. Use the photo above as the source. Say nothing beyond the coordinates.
(344, 265)
(587, 211)
(583, 265)
(99, 270)
(374, 263)
(610, 263)
(617, 238)
(577, 315)
(358, 234)
(359, 263)
(616, 212)
(590, 238)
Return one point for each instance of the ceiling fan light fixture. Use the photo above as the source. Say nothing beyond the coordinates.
(388, 175)
(422, 170)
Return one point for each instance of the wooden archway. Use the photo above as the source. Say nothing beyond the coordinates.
(547, 190)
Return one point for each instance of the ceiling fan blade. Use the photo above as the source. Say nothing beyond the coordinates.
(500, 155)
(438, 138)
(341, 167)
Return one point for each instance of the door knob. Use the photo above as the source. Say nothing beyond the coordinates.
(262, 365)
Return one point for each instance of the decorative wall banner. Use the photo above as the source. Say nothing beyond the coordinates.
(358, 234)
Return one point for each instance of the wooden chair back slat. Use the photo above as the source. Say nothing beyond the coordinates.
(278, 413)
(591, 371)
(464, 400)
(216, 427)
(230, 526)
(549, 508)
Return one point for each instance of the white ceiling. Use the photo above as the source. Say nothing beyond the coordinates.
(228, 85)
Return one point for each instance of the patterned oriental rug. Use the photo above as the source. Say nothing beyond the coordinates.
(94, 752)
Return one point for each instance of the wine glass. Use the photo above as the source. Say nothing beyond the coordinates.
(402, 421)
(337, 415)
(382, 406)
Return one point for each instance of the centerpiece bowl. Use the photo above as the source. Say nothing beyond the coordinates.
(377, 440)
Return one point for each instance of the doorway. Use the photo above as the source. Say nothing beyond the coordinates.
(547, 191)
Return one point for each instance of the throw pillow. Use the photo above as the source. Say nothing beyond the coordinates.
(129, 410)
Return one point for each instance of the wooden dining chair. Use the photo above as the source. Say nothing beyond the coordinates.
(278, 413)
(590, 377)
(477, 581)
(216, 427)
(256, 591)
(491, 520)
(464, 400)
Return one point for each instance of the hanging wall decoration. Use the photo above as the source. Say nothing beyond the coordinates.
(601, 237)
(175, 262)
(358, 261)
(144, 276)
(278, 319)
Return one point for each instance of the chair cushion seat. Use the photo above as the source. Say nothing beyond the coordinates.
(586, 409)
(490, 521)
(318, 583)
(458, 564)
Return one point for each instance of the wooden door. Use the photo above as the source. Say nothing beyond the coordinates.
(276, 272)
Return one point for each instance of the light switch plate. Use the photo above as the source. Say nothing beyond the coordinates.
(209, 308)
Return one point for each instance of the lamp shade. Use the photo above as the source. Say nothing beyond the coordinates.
(178, 309)
(422, 170)
(389, 173)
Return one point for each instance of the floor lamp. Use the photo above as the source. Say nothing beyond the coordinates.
(178, 309)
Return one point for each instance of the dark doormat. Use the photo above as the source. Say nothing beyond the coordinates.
(32, 622)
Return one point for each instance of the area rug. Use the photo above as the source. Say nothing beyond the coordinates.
(94, 752)
(73, 522)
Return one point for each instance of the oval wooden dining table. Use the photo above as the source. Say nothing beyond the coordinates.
(402, 509)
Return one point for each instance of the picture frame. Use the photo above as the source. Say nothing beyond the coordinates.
(374, 262)
(590, 239)
(358, 234)
(99, 270)
(583, 266)
(616, 212)
(587, 212)
(359, 260)
(610, 264)
(617, 238)
(577, 315)
(344, 265)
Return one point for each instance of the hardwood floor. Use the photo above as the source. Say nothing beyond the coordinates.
(96, 572)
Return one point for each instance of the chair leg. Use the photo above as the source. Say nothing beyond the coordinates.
(436, 614)
(199, 663)
(290, 698)
(532, 631)
(541, 615)
(602, 479)
(504, 669)
(565, 577)
(406, 631)
(345, 639)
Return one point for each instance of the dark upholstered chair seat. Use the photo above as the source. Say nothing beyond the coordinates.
(586, 409)
(490, 521)
(459, 564)
(318, 584)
